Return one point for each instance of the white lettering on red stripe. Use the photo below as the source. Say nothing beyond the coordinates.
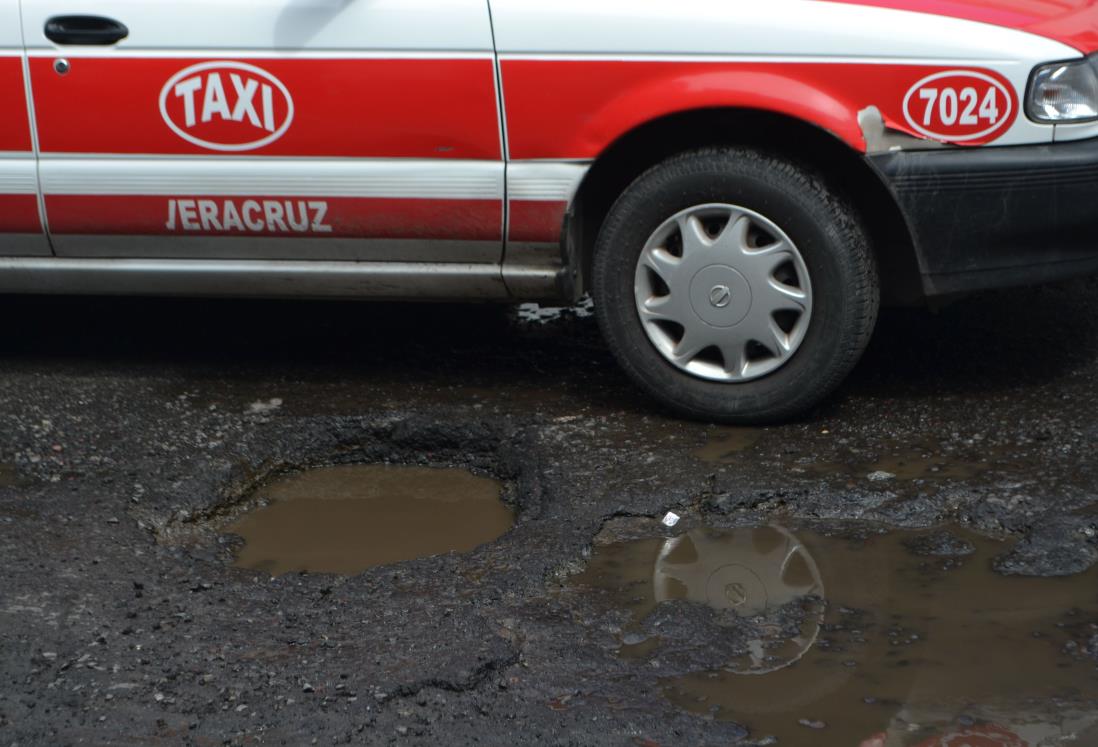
(227, 106)
(214, 100)
(249, 216)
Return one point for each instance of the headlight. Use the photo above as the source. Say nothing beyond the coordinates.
(1064, 92)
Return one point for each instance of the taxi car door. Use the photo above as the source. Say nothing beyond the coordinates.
(20, 223)
(285, 129)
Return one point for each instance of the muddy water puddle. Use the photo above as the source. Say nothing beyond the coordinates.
(885, 640)
(346, 519)
(723, 444)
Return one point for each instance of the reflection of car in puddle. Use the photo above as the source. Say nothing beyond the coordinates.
(748, 571)
(920, 645)
(974, 736)
(1025, 730)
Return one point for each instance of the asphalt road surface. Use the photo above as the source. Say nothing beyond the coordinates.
(133, 431)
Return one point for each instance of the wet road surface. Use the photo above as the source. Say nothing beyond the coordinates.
(910, 564)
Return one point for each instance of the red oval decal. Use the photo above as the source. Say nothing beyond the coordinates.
(226, 106)
(960, 106)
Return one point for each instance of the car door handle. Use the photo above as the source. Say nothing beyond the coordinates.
(85, 30)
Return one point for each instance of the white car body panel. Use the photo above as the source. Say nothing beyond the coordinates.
(809, 31)
(269, 25)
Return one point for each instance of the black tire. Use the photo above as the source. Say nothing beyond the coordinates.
(826, 230)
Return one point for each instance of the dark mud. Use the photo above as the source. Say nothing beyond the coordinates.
(139, 429)
(9, 476)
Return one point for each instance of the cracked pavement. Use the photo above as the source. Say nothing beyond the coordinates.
(133, 430)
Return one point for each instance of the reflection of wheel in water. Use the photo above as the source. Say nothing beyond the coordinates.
(748, 571)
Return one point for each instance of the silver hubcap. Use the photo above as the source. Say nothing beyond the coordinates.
(723, 293)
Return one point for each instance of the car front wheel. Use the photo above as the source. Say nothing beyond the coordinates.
(734, 286)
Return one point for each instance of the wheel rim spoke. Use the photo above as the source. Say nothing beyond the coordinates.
(660, 309)
(691, 344)
(771, 260)
(694, 236)
(734, 354)
(777, 341)
(661, 262)
(782, 297)
(735, 234)
(777, 251)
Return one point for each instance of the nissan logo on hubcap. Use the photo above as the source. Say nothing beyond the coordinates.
(735, 593)
(720, 296)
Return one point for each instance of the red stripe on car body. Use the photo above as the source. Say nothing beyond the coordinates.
(353, 108)
(275, 216)
(536, 221)
(14, 124)
(19, 214)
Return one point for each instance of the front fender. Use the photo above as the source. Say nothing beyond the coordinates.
(575, 108)
(677, 90)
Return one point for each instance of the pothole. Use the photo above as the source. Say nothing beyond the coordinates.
(347, 519)
(872, 638)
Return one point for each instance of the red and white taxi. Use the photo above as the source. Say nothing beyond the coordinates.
(736, 184)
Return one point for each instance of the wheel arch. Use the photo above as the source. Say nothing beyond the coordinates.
(642, 147)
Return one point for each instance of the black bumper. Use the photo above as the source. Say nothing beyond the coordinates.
(994, 217)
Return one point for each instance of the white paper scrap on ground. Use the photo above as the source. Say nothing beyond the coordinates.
(257, 408)
(671, 519)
